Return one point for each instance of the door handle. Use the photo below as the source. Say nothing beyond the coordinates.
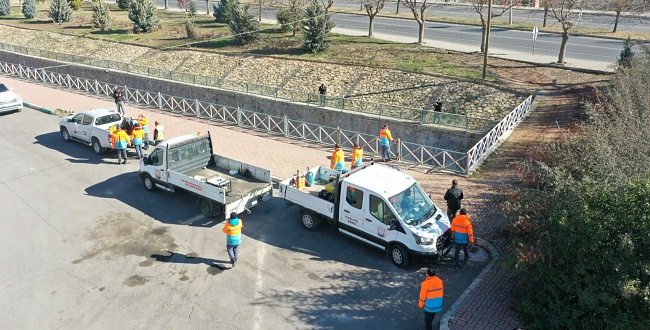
(346, 211)
(369, 219)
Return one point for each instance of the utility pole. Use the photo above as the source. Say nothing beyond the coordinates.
(487, 39)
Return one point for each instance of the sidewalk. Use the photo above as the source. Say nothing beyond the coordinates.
(488, 305)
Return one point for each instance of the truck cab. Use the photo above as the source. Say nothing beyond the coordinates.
(380, 206)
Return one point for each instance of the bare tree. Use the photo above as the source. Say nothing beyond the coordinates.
(263, 5)
(479, 6)
(166, 4)
(546, 4)
(418, 14)
(373, 7)
(327, 4)
(619, 6)
(207, 6)
(562, 10)
(397, 7)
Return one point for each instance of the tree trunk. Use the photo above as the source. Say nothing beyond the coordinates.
(259, 19)
(618, 14)
(166, 4)
(371, 27)
(421, 32)
(361, 5)
(483, 32)
(565, 41)
(545, 16)
(397, 9)
(207, 7)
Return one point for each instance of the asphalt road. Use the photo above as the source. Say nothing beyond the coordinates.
(85, 246)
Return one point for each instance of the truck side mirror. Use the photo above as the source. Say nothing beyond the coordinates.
(392, 225)
(145, 160)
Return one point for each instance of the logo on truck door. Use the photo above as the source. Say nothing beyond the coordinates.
(157, 173)
(381, 231)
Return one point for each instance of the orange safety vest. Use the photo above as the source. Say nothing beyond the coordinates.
(431, 293)
(462, 229)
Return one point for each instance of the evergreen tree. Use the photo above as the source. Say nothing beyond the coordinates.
(5, 7)
(144, 15)
(318, 23)
(627, 53)
(243, 25)
(101, 15)
(124, 4)
(60, 11)
(189, 21)
(222, 10)
(29, 8)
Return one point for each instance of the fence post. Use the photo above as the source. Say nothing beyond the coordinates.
(68, 80)
(126, 93)
(399, 149)
(160, 103)
(285, 122)
(197, 108)
(343, 102)
(466, 122)
(20, 70)
(381, 109)
(96, 87)
(338, 135)
(239, 116)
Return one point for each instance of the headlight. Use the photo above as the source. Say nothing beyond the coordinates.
(423, 240)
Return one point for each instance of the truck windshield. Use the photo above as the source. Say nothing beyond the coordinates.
(413, 206)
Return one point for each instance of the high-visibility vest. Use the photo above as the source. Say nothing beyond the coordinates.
(462, 229)
(233, 232)
(357, 155)
(431, 293)
(337, 160)
(385, 137)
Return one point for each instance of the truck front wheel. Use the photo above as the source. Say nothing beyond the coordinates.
(310, 220)
(399, 256)
(148, 183)
(65, 134)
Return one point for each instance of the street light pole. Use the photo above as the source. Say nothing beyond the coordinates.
(487, 38)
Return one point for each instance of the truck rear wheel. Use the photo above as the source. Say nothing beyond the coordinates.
(399, 256)
(310, 220)
(149, 184)
(97, 147)
(208, 208)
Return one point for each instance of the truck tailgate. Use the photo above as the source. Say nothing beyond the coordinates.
(307, 198)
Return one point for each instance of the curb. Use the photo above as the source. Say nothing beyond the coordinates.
(444, 322)
(39, 108)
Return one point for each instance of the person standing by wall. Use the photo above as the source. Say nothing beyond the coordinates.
(122, 141)
(453, 197)
(137, 137)
(357, 156)
(437, 109)
(338, 159)
(431, 295)
(119, 101)
(145, 127)
(384, 142)
(322, 91)
(463, 235)
(158, 133)
(232, 228)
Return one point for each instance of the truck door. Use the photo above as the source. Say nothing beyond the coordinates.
(76, 125)
(85, 128)
(377, 219)
(352, 206)
(156, 165)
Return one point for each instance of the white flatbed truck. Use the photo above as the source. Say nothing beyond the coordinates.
(223, 185)
(378, 205)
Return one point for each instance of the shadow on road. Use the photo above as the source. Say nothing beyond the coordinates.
(77, 152)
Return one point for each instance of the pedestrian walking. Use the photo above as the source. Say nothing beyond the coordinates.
(357, 156)
(119, 100)
(463, 235)
(322, 91)
(431, 295)
(337, 162)
(122, 141)
(232, 228)
(145, 127)
(384, 142)
(158, 133)
(137, 137)
(453, 197)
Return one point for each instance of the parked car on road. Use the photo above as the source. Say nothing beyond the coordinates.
(9, 101)
(91, 128)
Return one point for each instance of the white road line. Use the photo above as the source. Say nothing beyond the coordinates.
(261, 253)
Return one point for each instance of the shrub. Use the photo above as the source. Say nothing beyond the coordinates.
(124, 4)
(144, 15)
(29, 8)
(101, 15)
(222, 10)
(190, 29)
(626, 54)
(75, 4)
(60, 11)
(315, 28)
(243, 25)
(5, 7)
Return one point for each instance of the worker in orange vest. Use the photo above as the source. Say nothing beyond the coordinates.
(122, 141)
(431, 293)
(357, 156)
(337, 160)
(232, 229)
(463, 234)
(384, 142)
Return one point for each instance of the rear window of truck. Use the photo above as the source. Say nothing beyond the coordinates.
(114, 117)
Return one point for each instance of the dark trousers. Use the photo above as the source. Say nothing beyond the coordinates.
(233, 251)
(451, 213)
(428, 320)
(121, 153)
(457, 253)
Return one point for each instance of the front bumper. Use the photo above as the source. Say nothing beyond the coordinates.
(11, 107)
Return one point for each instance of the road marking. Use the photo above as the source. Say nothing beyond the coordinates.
(261, 254)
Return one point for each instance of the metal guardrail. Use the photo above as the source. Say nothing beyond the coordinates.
(457, 162)
(465, 122)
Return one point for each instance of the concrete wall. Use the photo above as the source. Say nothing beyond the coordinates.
(449, 139)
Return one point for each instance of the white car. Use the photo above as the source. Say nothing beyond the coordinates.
(9, 101)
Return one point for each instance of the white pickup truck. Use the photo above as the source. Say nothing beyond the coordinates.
(377, 205)
(91, 128)
(223, 185)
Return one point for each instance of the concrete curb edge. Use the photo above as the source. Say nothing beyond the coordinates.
(39, 108)
(494, 252)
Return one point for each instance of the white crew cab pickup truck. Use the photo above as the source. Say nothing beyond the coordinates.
(223, 185)
(91, 128)
(377, 205)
